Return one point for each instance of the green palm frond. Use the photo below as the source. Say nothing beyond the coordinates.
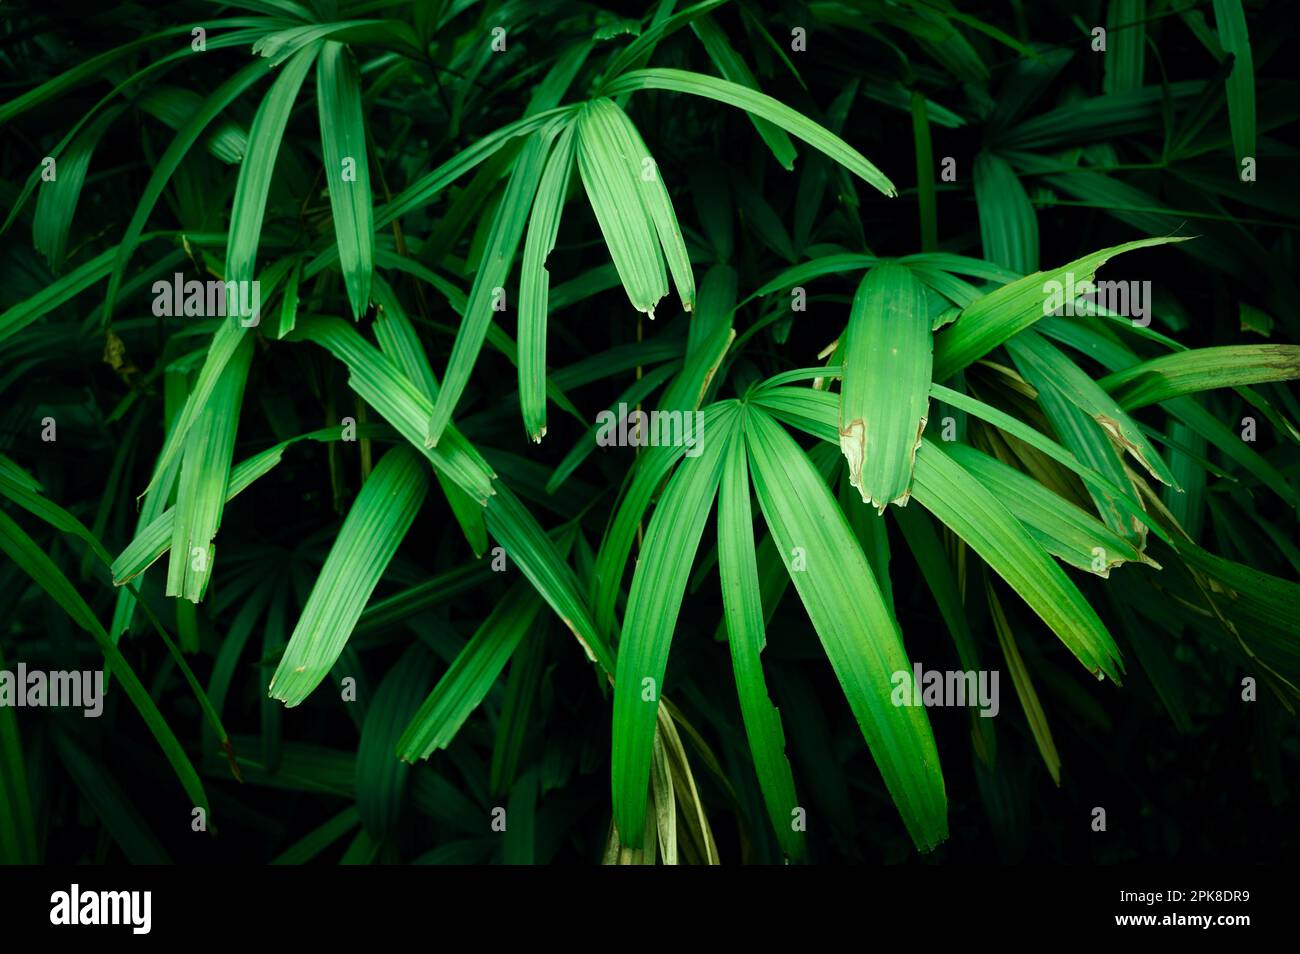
(1028, 415)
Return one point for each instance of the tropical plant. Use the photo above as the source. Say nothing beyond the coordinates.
(391, 620)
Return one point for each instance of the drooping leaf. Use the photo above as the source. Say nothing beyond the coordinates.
(611, 168)
(760, 105)
(347, 170)
(971, 511)
(860, 636)
(486, 296)
(743, 613)
(400, 402)
(884, 402)
(204, 474)
(264, 140)
(371, 534)
(535, 283)
(658, 586)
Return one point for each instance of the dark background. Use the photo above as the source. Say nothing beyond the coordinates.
(1222, 791)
